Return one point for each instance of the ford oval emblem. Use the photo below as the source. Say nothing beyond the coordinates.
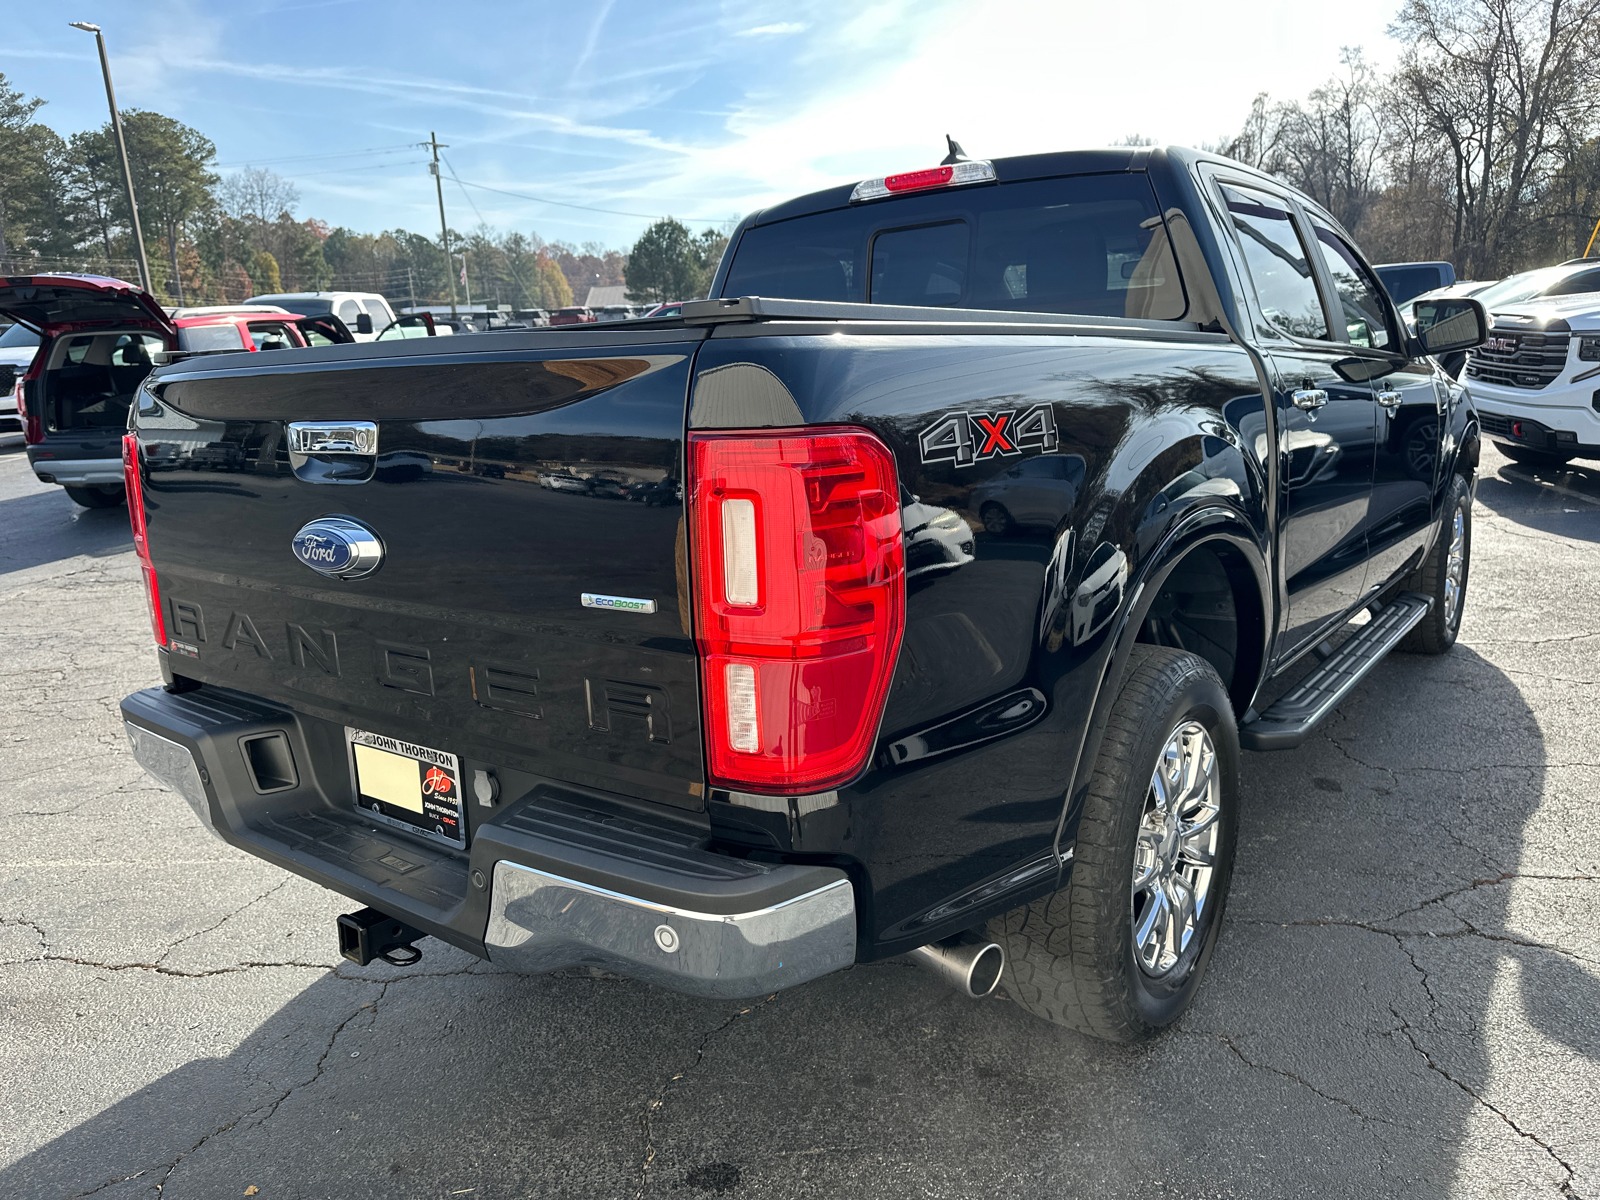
(338, 547)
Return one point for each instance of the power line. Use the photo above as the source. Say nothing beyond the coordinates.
(615, 212)
(255, 162)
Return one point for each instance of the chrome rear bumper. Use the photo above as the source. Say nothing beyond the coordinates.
(540, 922)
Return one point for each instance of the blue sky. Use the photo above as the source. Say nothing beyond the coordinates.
(695, 109)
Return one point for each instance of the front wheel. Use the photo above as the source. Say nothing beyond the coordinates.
(97, 497)
(1443, 575)
(1119, 952)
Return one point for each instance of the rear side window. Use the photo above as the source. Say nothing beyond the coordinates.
(1093, 245)
(210, 337)
(1277, 262)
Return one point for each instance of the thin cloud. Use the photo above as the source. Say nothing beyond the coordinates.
(781, 29)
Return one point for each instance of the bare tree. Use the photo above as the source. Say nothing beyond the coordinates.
(1332, 146)
(1506, 85)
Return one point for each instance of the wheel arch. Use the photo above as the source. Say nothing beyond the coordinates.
(1224, 536)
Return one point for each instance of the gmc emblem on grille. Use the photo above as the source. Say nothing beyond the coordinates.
(1501, 344)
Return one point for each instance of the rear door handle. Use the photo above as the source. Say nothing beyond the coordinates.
(1390, 400)
(1309, 399)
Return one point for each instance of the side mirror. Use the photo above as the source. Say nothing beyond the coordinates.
(1446, 325)
(363, 322)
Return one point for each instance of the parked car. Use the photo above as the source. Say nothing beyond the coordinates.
(97, 341)
(1574, 277)
(574, 315)
(671, 308)
(210, 310)
(731, 751)
(1536, 380)
(18, 345)
(616, 312)
(1037, 492)
(1406, 281)
(364, 313)
(223, 331)
(937, 539)
(414, 325)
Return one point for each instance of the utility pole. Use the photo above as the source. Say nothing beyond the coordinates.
(411, 286)
(122, 149)
(444, 228)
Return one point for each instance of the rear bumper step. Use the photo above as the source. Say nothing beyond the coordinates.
(1290, 720)
(549, 882)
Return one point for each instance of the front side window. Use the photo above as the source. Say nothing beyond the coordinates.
(274, 336)
(349, 310)
(378, 311)
(1366, 318)
(1277, 262)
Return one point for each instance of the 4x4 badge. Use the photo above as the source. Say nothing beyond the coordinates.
(969, 437)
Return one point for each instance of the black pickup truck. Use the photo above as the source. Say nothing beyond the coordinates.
(984, 504)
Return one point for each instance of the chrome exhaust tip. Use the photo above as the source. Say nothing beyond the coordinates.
(972, 968)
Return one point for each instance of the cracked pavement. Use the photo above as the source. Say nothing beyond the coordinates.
(1405, 1000)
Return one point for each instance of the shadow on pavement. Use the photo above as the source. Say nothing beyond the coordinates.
(1561, 500)
(1337, 1048)
(45, 527)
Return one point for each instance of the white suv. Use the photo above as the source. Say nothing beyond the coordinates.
(349, 307)
(1536, 381)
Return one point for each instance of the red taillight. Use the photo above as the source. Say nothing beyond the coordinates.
(910, 181)
(141, 541)
(799, 601)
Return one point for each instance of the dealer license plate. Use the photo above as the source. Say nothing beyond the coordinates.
(412, 787)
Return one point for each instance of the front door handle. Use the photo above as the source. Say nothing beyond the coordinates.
(1390, 400)
(1309, 399)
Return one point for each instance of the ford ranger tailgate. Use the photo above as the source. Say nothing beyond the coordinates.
(520, 602)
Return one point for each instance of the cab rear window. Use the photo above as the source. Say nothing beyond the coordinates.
(1092, 245)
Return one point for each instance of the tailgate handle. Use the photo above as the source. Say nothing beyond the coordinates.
(333, 437)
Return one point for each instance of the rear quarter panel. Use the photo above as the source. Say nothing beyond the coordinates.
(1006, 641)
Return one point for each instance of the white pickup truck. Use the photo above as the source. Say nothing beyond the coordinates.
(1536, 381)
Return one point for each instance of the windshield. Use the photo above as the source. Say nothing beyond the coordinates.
(1087, 244)
(1525, 286)
(18, 335)
(306, 306)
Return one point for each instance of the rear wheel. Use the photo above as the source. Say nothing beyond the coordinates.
(1119, 952)
(97, 497)
(1528, 456)
(1443, 575)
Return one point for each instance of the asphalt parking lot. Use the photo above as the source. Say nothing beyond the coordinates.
(1405, 1000)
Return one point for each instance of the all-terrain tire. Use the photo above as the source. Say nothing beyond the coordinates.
(1437, 631)
(97, 497)
(1070, 957)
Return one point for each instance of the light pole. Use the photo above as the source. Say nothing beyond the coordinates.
(122, 149)
(464, 282)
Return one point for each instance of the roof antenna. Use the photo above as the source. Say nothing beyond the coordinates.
(956, 155)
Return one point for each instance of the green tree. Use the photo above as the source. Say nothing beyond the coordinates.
(264, 270)
(172, 179)
(666, 263)
(32, 161)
